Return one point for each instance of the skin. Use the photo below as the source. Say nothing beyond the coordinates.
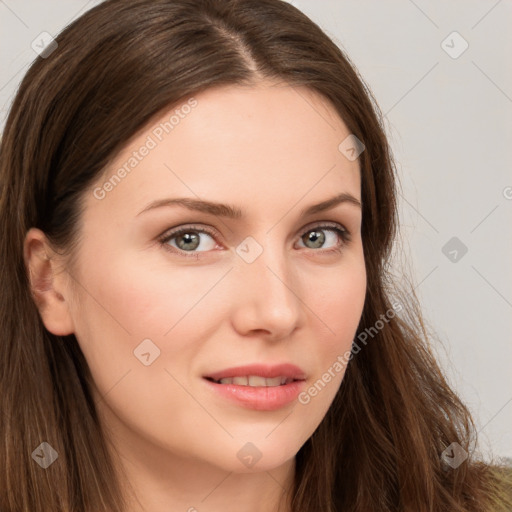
(272, 150)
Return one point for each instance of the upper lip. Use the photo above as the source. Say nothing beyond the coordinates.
(287, 370)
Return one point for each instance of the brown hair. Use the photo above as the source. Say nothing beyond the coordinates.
(121, 63)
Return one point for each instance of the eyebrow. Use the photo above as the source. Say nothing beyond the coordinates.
(234, 212)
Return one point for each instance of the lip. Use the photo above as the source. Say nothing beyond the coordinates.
(259, 398)
(268, 371)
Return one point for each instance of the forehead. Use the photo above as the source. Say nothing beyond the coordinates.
(237, 144)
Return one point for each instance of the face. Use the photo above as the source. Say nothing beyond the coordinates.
(170, 298)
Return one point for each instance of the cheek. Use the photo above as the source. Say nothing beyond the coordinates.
(131, 302)
(141, 300)
(123, 309)
(339, 303)
(338, 310)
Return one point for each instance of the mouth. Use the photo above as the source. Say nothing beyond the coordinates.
(258, 375)
(258, 387)
(254, 381)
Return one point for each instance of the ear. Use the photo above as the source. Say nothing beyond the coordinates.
(49, 287)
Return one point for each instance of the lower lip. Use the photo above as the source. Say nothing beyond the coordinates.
(261, 398)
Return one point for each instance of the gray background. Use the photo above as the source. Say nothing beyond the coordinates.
(448, 120)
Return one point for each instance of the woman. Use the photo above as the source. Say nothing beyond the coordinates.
(198, 206)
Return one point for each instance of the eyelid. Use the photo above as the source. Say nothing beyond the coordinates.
(324, 224)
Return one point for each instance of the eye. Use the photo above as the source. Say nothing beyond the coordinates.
(316, 237)
(187, 239)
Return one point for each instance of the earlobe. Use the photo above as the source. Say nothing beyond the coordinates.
(47, 286)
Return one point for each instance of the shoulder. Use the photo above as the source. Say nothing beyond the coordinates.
(501, 485)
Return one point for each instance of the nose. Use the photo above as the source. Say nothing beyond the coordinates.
(267, 301)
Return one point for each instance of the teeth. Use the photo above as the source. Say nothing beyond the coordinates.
(256, 381)
(260, 381)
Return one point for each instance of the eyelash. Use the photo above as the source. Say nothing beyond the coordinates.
(343, 233)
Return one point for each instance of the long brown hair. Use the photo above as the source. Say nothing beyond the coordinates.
(121, 63)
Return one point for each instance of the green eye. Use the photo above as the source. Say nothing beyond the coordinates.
(316, 236)
(188, 239)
